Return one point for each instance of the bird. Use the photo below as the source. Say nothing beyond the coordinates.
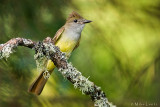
(67, 38)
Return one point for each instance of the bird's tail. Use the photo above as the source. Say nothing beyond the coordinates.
(38, 84)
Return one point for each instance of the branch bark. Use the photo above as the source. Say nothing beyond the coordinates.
(48, 50)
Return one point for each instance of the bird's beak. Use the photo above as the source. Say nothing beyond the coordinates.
(87, 21)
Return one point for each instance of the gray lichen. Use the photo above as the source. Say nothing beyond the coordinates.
(46, 74)
(84, 85)
(103, 102)
(41, 61)
(49, 49)
(7, 50)
(78, 80)
(40, 58)
(26, 41)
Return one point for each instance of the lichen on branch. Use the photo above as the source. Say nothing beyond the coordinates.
(8, 48)
(47, 50)
(73, 75)
(40, 58)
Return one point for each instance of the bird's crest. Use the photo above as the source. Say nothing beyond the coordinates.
(74, 15)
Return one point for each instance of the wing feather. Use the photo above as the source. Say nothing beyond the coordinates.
(58, 34)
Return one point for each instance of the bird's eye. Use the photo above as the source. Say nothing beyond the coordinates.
(75, 20)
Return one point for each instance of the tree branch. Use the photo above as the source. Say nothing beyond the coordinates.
(48, 50)
(7, 48)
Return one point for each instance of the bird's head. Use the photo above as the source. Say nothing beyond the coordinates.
(76, 21)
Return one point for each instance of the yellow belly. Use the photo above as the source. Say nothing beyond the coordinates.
(65, 46)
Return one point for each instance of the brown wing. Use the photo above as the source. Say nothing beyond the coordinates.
(58, 34)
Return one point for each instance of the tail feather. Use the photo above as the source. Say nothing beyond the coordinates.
(38, 85)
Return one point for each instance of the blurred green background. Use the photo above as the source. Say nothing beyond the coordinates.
(119, 50)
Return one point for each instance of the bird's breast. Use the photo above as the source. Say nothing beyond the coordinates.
(66, 45)
(67, 42)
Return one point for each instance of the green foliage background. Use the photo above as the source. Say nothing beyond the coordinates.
(119, 50)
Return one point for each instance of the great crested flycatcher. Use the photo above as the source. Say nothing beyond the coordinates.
(67, 38)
